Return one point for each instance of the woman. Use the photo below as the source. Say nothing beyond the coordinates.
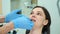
(39, 16)
(41, 19)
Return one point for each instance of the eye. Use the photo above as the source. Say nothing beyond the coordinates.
(31, 13)
(38, 14)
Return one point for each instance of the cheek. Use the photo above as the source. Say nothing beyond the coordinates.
(39, 21)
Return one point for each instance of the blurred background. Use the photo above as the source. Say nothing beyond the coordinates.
(53, 6)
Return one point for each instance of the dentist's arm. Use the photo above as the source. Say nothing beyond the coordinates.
(21, 22)
(2, 19)
(6, 28)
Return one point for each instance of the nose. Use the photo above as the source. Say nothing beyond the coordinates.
(33, 16)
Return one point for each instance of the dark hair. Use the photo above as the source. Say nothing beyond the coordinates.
(46, 28)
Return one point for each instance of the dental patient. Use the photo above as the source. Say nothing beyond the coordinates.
(38, 22)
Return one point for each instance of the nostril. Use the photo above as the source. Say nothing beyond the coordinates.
(33, 16)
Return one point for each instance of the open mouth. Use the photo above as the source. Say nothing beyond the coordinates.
(33, 20)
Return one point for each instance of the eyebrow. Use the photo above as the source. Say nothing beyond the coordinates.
(39, 11)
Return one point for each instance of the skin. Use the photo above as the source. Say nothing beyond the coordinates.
(6, 28)
(2, 19)
(38, 17)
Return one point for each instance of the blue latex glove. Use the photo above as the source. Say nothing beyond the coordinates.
(23, 22)
(13, 15)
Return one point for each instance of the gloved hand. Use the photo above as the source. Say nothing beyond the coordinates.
(23, 22)
(13, 15)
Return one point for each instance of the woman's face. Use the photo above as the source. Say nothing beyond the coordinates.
(38, 17)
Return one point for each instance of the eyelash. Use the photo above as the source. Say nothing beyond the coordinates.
(36, 14)
(31, 13)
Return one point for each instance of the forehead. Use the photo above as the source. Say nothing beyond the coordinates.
(38, 10)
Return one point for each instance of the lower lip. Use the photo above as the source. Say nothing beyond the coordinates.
(34, 21)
